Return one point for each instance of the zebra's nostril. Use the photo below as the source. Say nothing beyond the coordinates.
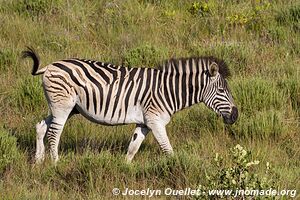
(234, 114)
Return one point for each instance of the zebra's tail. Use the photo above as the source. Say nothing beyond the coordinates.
(30, 53)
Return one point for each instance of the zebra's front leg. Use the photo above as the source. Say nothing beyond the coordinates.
(138, 137)
(41, 129)
(160, 134)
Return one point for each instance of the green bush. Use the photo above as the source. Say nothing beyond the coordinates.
(28, 94)
(239, 175)
(253, 20)
(258, 19)
(9, 153)
(237, 19)
(200, 8)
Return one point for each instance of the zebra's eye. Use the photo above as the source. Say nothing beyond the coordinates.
(221, 90)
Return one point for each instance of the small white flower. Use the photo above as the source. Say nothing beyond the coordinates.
(233, 182)
(256, 162)
(239, 147)
(244, 153)
(268, 165)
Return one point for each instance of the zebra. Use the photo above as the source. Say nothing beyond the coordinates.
(113, 95)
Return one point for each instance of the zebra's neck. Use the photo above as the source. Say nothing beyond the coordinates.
(183, 83)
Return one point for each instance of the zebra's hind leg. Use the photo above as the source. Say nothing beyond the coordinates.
(55, 129)
(138, 137)
(41, 129)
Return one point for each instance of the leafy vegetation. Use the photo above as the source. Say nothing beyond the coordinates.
(259, 40)
(9, 152)
(239, 176)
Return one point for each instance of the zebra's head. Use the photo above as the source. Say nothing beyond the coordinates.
(217, 95)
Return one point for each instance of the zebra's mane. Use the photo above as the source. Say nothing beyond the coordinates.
(223, 68)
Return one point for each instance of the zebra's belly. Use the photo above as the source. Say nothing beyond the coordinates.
(133, 114)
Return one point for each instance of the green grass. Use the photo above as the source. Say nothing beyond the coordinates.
(259, 40)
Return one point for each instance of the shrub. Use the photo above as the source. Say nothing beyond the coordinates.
(253, 20)
(28, 94)
(237, 19)
(258, 18)
(8, 150)
(200, 8)
(240, 175)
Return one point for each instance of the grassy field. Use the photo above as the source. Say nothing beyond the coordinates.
(259, 40)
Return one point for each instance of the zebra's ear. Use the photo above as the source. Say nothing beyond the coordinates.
(213, 69)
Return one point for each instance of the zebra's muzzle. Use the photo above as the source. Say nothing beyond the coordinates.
(230, 119)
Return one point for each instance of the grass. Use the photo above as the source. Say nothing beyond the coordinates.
(259, 40)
